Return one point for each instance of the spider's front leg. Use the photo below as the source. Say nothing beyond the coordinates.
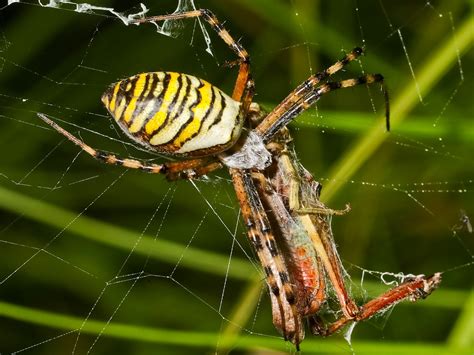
(286, 317)
(186, 169)
(243, 88)
(310, 91)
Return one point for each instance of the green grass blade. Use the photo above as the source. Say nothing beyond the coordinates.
(166, 251)
(240, 315)
(208, 339)
(163, 250)
(123, 238)
(418, 127)
(329, 43)
(462, 334)
(431, 72)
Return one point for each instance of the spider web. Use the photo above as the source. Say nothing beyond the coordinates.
(129, 263)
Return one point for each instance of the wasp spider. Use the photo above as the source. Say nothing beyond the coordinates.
(187, 117)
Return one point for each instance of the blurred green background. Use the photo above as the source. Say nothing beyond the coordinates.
(100, 227)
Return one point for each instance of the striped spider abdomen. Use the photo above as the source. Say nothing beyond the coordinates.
(175, 113)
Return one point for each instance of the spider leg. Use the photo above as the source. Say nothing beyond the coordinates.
(286, 317)
(200, 169)
(243, 89)
(292, 106)
(186, 169)
(307, 86)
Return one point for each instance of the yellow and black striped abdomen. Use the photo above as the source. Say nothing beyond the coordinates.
(174, 113)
